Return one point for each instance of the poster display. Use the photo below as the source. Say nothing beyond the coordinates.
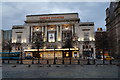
(51, 37)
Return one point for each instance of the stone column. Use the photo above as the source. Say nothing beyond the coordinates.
(42, 29)
(60, 32)
(46, 33)
(57, 33)
(43, 32)
(72, 30)
(31, 33)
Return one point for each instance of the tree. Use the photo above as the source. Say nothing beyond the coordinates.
(7, 47)
(68, 43)
(19, 47)
(38, 42)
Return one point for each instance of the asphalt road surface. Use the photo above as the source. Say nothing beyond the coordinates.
(60, 71)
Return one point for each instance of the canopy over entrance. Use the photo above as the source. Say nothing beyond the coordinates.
(62, 49)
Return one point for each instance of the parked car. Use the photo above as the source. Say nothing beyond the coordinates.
(109, 58)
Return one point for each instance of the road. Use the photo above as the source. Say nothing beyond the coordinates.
(60, 71)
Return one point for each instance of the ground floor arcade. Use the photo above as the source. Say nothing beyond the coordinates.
(53, 53)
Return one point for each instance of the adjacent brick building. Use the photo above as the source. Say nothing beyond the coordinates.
(101, 43)
(113, 28)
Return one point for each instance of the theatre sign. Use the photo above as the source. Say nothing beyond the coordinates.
(57, 17)
(51, 17)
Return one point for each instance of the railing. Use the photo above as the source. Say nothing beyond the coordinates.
(70, 61)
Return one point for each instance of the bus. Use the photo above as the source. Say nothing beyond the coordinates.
(10, 55)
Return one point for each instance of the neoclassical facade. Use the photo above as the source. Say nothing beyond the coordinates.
(55, 29)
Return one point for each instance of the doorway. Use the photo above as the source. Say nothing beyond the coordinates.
(67, 54)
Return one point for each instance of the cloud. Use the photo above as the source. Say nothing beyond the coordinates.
(15, 12)
(0, 15)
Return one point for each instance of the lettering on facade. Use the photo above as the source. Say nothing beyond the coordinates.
(57, 17)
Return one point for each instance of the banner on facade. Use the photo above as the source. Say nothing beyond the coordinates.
(51, 37)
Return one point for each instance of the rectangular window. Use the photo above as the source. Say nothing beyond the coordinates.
(19, 38)
(66, 35)
(86, 36)
(75, 54)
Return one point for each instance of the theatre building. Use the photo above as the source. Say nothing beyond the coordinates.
(62, 35)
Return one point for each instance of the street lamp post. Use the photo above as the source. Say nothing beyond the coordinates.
(43, 53)
(88, 54)
(38, 56)
(69, 54)
(54, 57)
(32, 60)
(21, 61)
(9, 46)
(88, 61)
(103, 57)
(9, 58)
(103, 47)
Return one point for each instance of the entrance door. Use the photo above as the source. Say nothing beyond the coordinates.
(36, 55)
(75, 54)
(67, 54)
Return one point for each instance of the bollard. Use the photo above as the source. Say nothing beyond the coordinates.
(32, 61)
(88, 63)
(78, 61)
(17, 62)
(40, 66)
(63, 61)
(47, 61)
(3, 61)
(49, 65)
(21, 61)
(54, 62)
(29, 65)
(70, 60)
(38, 61)
(94, 61)
(110, 61)
(57, 66)
(8, 61)
(14, 66)
(103, 61)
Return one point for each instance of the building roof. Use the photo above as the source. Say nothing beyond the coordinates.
(18, 27)
(86, 24)
(51, 14)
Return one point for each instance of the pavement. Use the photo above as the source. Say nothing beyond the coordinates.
(59, 61)
(59, 71)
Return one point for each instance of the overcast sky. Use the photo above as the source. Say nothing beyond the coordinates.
(13, 13)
